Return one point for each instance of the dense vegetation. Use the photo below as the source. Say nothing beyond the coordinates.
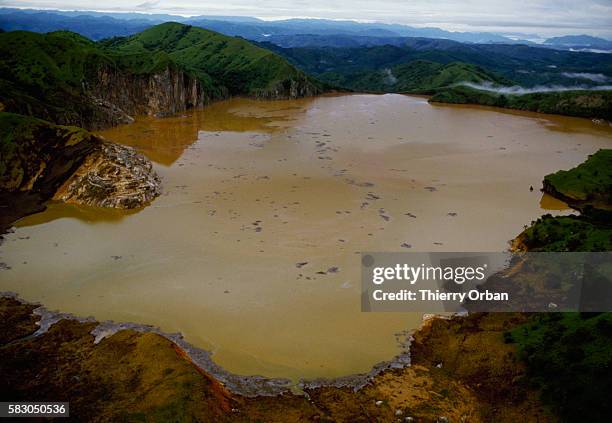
(587, 103)
(42, 75)
(589, 184)
(527, 66)
(51, 76)
(567, 233)
(569, 356)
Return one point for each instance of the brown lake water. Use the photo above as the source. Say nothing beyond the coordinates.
(252, 188)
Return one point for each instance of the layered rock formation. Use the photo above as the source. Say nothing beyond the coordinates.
(118, 94)
(112, 176)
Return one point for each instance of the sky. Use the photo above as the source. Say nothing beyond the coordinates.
(544, 17)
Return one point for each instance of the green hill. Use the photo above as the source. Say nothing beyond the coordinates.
(57, 77)
(417, 76)
(41, 75)
(233, 66)
(68, 79)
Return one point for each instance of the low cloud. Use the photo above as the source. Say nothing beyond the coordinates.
(517, 89)
(595, 77)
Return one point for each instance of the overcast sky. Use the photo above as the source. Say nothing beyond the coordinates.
(544, 17)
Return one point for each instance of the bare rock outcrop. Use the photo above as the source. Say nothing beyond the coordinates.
(112, 176)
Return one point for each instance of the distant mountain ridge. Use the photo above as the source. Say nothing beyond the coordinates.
(580, 42)
(99, 25)
(286, 33)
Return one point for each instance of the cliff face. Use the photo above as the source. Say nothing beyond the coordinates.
(113, 95)
(162, 93)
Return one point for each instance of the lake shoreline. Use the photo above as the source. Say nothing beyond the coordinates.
(431, 359)
(323, 210)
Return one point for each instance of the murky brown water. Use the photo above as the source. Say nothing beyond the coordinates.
(252, 188)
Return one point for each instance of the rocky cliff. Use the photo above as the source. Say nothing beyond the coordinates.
(118, 94)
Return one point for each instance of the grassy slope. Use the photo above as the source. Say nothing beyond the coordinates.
(590, 104)
(569, 355)
(44, 74)
(230, 64)
(444, 76)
